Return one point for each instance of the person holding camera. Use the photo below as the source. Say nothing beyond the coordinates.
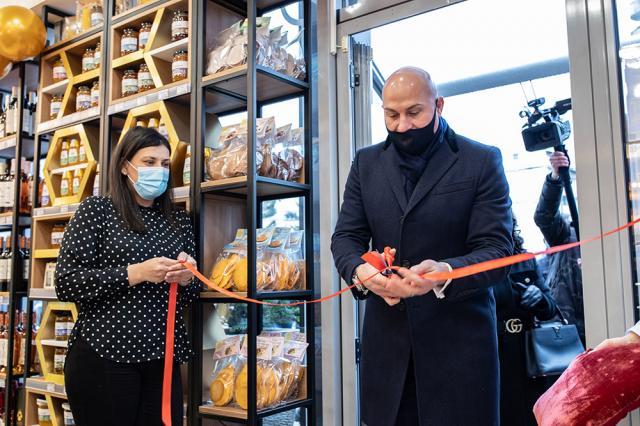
(564, 277)
(521, 298)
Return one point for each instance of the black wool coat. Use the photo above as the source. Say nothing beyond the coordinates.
(458, 213)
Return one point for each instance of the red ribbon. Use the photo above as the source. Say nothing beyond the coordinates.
(168, 355)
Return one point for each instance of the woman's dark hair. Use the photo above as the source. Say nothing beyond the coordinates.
(518, 241)
(120, 191)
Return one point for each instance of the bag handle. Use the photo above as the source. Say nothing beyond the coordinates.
(536, 321)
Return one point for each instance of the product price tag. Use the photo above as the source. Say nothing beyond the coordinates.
(142, 101)
(180, 90)
(163, 94)
(51, 387)
(64, 208)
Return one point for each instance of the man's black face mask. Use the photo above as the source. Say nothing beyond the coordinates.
(415, 141)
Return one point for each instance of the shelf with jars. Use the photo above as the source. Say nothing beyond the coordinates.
(149, 52)
(70, 164)
(70, 84)
(57, 322)
(76, 21)
(172, 121)
(46, 408)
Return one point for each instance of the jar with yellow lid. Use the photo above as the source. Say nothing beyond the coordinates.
(179, 25)
(77, 178)
(65, 184)
(83, 98)
(143, 34)
(55, 106)
(129, 41)
(129, 83)
(179, 65)
(145, 81)
(88, 60)
(82, 153)
(59, 72)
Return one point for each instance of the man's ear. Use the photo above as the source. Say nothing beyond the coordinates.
(440, 105)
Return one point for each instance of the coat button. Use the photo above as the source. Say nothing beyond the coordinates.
(401, 219)
(401, 306)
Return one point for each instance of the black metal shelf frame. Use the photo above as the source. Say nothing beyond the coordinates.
(242, 91)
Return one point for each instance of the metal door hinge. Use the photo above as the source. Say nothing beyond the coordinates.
(354, 77)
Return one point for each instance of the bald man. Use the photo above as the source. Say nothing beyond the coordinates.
(429, 350)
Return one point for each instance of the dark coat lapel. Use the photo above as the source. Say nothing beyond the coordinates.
(394, 176)
(443, 159)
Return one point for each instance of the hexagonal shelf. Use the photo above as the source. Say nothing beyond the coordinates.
(157, 53)
(176, 119)
(54, 172)
(45, 340)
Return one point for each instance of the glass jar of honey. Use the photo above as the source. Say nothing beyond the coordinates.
(82, 153)
(145, 82)
(129, 83)
(179, 25)
(77, 178)
(143, 35)
(55, 106)
(57, 233)
(58, 360)
(129, 41)
(73, 151)
(88, 60)
(179, 65)
(59, 72)
(64, 153)
(65, 184)
(83, 98)
(95, 94)
(97, 17)
(44, 415)
(97, 55)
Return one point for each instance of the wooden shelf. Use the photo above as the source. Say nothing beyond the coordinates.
(54, 343)
(55, 212)
(80, 38)
(265, 186)
(63, 170)
(218, 295)
(169, 91)
(40, 385)
(135, 10)
(233, 412)
(166, 52)
(87, 76)
(68, 120)
(43, 294)
(127, 60)
(56, 88)
(46, 253)
(230, 412)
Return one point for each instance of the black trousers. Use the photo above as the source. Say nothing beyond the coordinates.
(108, 393)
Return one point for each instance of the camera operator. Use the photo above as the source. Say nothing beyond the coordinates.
(564, 277)
(521, 297)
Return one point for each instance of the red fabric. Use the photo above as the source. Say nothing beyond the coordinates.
(168, 356)
(598, 388)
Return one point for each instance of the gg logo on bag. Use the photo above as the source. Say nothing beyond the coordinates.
(514, 326)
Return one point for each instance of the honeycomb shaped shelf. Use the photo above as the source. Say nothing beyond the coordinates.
(47, 333)
(88, 136)
(71, 58)
(157, 54)
(176, 119)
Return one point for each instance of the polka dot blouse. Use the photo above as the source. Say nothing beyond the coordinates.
(122, 323)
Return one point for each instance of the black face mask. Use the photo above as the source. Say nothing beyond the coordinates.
(415, 141)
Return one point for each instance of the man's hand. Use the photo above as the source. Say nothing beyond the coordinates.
(628, 339)
(410, 282)
(557, 160)
(376, 283)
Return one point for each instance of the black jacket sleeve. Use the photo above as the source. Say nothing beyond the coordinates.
(79, 277)
(489, 228)
(553, 226)
(352, 235)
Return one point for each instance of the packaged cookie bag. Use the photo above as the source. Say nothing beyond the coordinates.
(240, 272)
(263, 354)
(293, 155)
(232, 254)
(229, 158)
(276, 257)
(295, 253)
(295, 352)
(226, 365)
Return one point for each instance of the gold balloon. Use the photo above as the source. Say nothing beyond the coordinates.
(5, 67)
(22, 33)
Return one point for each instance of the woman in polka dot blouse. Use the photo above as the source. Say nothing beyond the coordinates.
(117, 256)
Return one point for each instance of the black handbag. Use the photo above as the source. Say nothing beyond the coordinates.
(551, 346)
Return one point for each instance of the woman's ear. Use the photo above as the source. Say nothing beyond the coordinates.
(124, 170)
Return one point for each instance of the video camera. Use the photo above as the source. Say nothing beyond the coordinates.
(544, 129)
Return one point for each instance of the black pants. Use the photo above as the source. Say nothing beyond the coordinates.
(408, 411)
(108, 393)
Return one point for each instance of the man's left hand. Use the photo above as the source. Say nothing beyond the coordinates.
(410, 282)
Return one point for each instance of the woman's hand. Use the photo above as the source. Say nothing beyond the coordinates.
(153, 270)
(179, 273)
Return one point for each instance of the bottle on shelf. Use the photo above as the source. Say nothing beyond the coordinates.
(4, 199)
(43, 190)
(143, 34)
(57, 233)
(3, 117)
(58, 360)
(55, 106)
(4, 283)
(145, 81)
(64, 154)
(73, 151)
(96, 182)
(65, 184)
(59, 72)
(8, 253)
(25, 207)
(179, 25)
(4, 340)
(95, 94)
(83, 98)
(77, 178)
(97, 55)
(19, 343)
(35, 360)
(12, 108)
(88, 61)
(30, 183)
(10, 187)
(29, 113)
(26, 258)
(186, 171)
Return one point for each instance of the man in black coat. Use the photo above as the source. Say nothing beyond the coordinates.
(429, 350)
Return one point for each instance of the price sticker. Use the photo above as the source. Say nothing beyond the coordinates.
(51, 387)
